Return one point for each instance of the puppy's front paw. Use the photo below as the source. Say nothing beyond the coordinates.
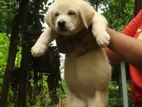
(103, 38)
(38, 50)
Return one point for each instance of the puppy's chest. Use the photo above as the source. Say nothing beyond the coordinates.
(80, 43)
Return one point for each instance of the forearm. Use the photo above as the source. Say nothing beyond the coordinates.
(128, 48)
(46, 37)
(41, 44)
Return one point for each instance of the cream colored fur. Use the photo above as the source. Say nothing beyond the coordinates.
(87, 70)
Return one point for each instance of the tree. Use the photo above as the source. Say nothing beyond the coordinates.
(117, 12)
(7, 10)
(25, 29)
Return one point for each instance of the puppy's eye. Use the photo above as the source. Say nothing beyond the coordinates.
(71, 12)
(56, 14)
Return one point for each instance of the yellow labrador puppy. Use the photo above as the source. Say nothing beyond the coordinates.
(79, 31)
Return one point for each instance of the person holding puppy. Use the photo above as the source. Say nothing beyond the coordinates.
(127, 46)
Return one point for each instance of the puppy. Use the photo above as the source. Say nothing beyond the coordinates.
(80, 32)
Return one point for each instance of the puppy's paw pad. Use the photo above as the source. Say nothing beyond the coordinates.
(38, 50)
(103, 38)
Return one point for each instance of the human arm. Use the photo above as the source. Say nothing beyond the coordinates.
(125, 48)
(130, 48)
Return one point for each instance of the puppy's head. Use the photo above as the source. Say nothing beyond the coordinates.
(68, 17)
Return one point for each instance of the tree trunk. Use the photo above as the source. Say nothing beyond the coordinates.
(11, 61)
(23, 82)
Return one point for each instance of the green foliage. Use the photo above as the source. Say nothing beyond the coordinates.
(4, 43)
(7, 11)
(42, 98)
(114, 95)
(18, 57)
(118, 12)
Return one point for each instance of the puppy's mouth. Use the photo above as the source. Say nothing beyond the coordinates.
(62, 26)
(63, 29)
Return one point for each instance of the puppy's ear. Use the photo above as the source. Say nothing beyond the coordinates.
(86, 12)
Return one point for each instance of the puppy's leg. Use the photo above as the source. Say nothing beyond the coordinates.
(100, 99)
(73, 101)
(99, 26)
(42, 43)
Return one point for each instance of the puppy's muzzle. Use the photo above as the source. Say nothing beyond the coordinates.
(61, 24)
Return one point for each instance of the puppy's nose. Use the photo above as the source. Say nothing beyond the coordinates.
(61, 23)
